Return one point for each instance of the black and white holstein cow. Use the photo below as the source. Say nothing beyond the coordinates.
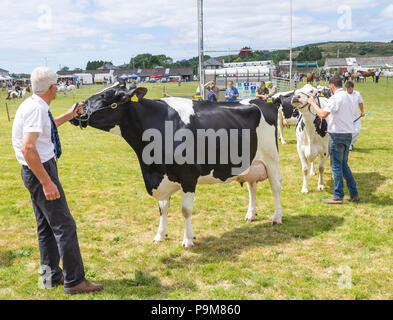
(168, 121)
(312, 137)
(288, 115)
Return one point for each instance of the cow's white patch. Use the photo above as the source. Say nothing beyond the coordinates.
(116, 130)
(245, 102)
(210, 179)
(184, 107)
(163, 228)
(166, 189)
(187, 204)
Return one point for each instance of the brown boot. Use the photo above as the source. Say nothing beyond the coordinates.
(84, 287)
(353, 199)
(332, 201)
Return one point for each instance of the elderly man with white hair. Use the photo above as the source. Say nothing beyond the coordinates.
(36, 142)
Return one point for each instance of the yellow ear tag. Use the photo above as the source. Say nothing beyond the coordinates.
(134, 98)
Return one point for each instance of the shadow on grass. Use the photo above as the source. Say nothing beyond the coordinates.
(369, 150)
(231, 244)
(143, 286)
(368, 184)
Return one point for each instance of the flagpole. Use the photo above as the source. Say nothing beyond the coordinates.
(291, 40)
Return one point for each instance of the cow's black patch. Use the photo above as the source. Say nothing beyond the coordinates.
(321, 126)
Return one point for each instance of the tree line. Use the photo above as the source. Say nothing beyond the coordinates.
(149, 61)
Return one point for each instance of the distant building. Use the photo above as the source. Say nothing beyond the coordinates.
(212, 64)
(110, 75)
(362, 62)
(4, 73)
(108, 66)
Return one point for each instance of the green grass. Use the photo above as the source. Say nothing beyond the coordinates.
(117, 222)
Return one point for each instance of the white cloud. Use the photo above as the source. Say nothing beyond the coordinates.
(388, 12)
(144, 36)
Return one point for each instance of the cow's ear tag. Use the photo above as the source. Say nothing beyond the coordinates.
(134, 98)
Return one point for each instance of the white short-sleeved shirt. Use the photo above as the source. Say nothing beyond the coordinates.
(356, 99)
(340, 108)
(32, 116)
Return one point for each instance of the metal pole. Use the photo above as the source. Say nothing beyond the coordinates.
(291, 42)
(200, 48)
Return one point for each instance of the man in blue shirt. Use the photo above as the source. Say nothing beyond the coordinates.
(232, 93)
(212, 94)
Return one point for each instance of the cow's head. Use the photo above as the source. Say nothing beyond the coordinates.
(105, 109)
(299, 99)
(325, 92)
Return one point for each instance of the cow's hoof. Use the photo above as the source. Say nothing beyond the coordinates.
(277, 222)
(250, 217)
(321, 188)
(188, 243)
(305, 191)
(283, 142)
(159, 238)
(313, 174)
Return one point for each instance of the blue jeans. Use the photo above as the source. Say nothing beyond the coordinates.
(339, 145)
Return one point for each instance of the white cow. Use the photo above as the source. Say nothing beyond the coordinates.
(65, 88)
(312, 137)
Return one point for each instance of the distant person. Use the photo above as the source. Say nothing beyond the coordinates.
(346, 76)
(357, 103)
(377, 75)
(296, 78)
(263, 91)
(232, 94)
(212, 95)
(272, 91)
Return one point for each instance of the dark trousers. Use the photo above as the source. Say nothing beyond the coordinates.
(339, 145)
(56, 229)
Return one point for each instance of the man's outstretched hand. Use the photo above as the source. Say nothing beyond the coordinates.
(75, 111)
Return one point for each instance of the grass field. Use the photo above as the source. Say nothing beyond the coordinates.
(317, 250)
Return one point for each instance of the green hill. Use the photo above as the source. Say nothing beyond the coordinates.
(352, 49)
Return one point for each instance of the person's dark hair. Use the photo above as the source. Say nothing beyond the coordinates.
(337, 81)
(350, 84)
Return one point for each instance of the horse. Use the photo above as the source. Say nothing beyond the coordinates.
(65, 88)
(368, 74)
(310, 78)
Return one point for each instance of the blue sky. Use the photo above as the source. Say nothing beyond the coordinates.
(71, 32)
